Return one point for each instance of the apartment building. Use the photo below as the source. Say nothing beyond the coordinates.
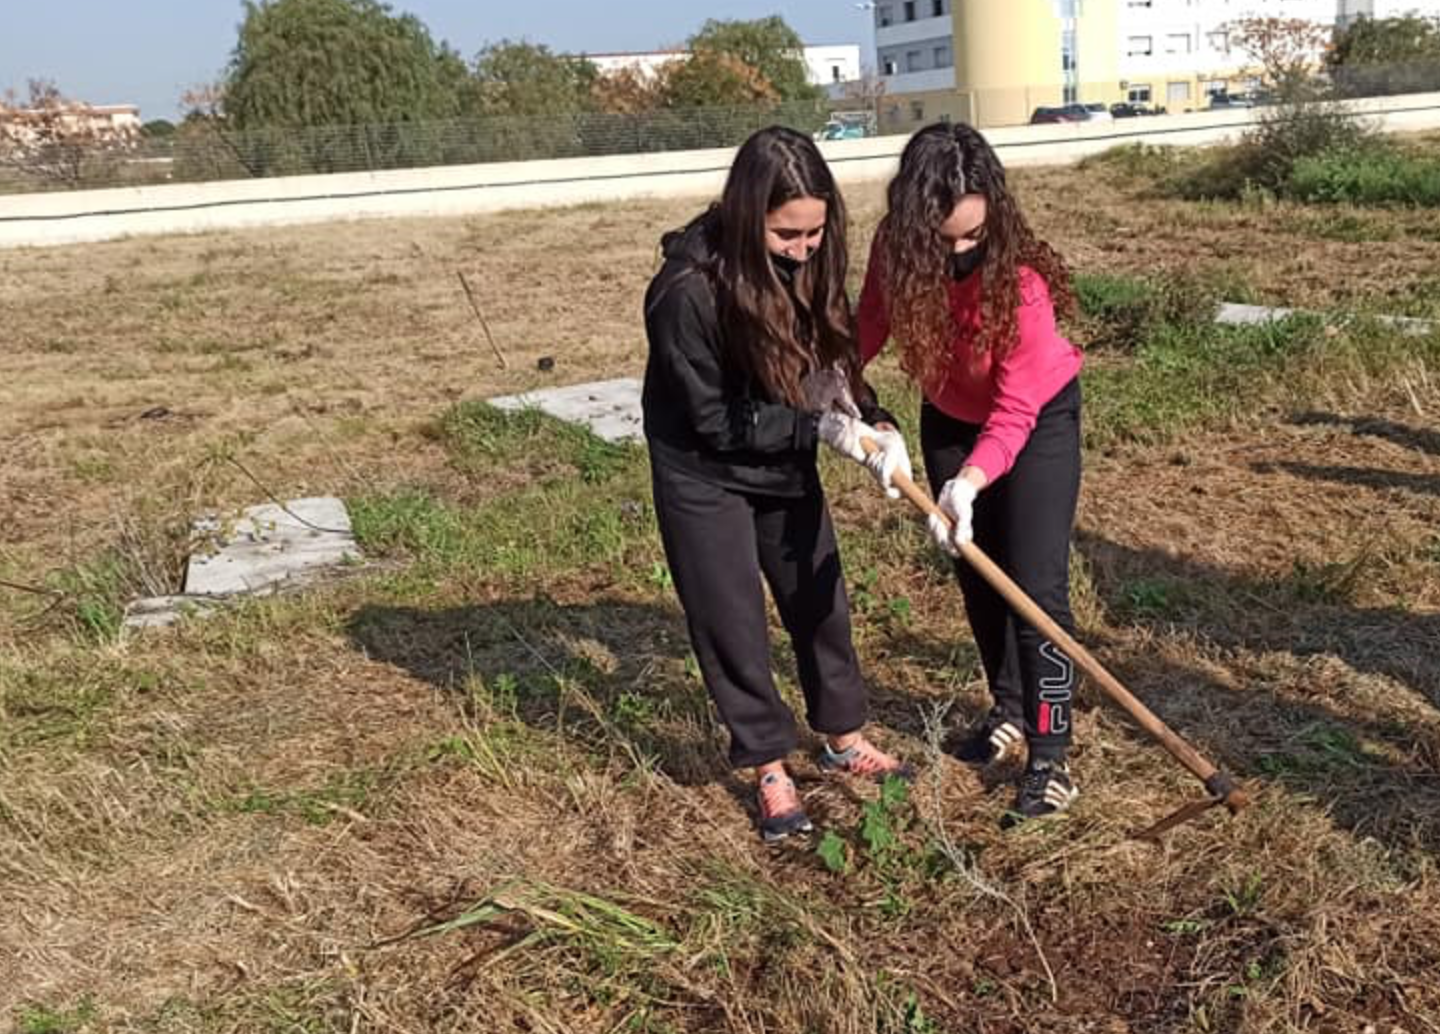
(992, 62)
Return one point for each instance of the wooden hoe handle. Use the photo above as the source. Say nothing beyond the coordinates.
(1220, 786)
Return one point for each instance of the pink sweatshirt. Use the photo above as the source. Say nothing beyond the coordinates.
(1003, 397)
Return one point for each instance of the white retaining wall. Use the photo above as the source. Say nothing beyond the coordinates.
(96, 215)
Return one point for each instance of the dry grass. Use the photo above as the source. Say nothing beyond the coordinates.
(252, 823)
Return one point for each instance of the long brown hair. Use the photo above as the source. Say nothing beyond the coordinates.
(777, 333)
(941, 164)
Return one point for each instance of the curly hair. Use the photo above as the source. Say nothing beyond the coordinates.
(941, 164)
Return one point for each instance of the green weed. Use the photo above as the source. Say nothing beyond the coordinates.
(40, 1019)
(482, 438)
(343, 792)
(1319, 751)
(880, 848)
(1243, 896)
(1367, 176)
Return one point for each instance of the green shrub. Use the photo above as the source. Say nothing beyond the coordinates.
(1120, 313)
(1135, 161)
(1266, 155)
(1374, 176)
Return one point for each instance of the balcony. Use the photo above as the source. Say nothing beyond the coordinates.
(920, 82)
(922, 29)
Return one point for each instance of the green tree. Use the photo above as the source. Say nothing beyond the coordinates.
(1386, 55)
(1386, 41)
(528, 79)
(713, 79)
(1289, 52)
(769, 46)
(306, 63)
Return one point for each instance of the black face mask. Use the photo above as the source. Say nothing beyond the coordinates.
(963, 263)
(787, 266)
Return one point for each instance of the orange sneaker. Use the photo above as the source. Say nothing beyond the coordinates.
(863, 758)
(781, 812)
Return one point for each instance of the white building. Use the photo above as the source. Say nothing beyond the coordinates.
(915, 45)
(829, 66)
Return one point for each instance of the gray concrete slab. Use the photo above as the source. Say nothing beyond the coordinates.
(164, 611)
(263, 550)
(1235, 314)
(611, 409)
(268, 546)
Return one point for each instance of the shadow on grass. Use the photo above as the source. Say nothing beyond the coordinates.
(1359, 477)
(603, 673)
(1417, 438)
(1312, 724)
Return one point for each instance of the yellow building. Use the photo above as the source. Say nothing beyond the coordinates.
(994, 62)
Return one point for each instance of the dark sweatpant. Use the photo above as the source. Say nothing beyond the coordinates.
(1022, 522)
(719, 542)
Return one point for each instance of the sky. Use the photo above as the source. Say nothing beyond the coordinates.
(148, 52)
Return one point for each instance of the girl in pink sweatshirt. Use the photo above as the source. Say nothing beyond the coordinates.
(968, 294)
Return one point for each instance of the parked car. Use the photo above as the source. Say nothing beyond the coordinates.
(1126, 109)
(845, 126)
(1091, 112)
(1050, 115)
(1225, 101)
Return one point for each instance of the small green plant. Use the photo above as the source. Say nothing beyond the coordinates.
(879, 847)
(834, 852)
(1334, 582)
(40, 1019)
(1149, 597)
(1243, 896)
(863, 594)
(1185, 927)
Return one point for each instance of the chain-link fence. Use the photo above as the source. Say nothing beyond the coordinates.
(201, 151)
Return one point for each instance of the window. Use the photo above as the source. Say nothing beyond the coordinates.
(891, 68)
(909, 10)
(912, 61)
(917, 110)
(1139, 3)
(884, 15)
(1177, 93)
(1139, 93)
(1139, 45)
(937, 8)
(943, 56)
(1177, 43)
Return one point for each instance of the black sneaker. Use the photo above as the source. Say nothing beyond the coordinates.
(1045, 789)
(995, 739)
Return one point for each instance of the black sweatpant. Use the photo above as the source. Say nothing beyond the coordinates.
(719, 543)
(1022, 522)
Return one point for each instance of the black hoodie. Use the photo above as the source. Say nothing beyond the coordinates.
(703, 416)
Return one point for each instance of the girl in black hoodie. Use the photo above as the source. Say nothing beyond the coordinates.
(751, 340)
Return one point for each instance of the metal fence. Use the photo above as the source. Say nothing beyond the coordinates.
(201, 151)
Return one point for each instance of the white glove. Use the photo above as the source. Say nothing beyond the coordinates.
(957, 502)
(843, 433)
(891, 457)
